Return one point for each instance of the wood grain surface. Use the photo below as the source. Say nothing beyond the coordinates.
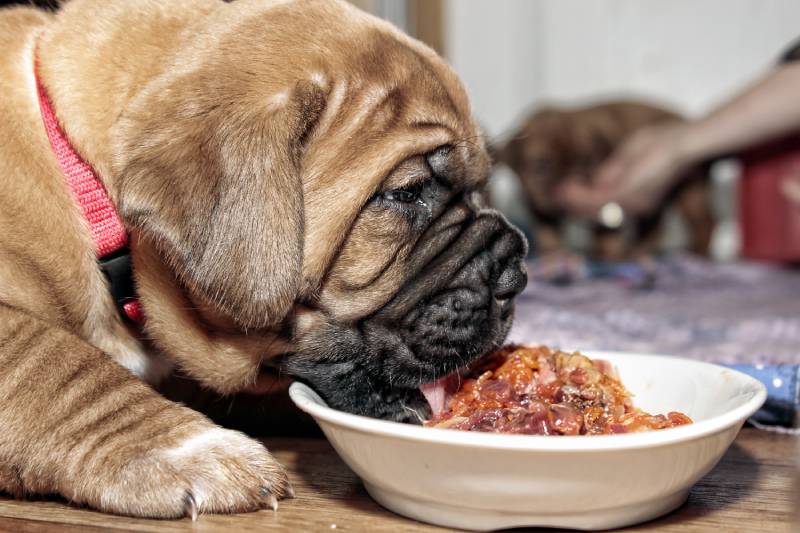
(752, 489)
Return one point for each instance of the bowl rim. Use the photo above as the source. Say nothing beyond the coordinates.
(310, 402)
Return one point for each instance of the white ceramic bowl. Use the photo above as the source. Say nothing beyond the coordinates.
(483, 481)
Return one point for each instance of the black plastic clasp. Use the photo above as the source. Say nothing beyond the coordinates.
(119, 272)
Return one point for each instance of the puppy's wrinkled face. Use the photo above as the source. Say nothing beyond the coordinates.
(423, 278)
(323, 182)
(423, 285)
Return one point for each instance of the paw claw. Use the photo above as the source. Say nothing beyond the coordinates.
(272, 501)
(290, 492)
(191, 506)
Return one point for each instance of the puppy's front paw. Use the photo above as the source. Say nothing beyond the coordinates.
(211, 470)
(228, 472)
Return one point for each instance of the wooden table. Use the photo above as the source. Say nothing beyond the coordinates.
(750, 490)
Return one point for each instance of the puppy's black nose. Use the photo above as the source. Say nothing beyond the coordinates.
(512, 281)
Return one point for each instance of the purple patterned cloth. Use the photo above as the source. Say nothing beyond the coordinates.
(742, 314)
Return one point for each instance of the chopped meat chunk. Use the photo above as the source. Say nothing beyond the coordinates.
(539, 391)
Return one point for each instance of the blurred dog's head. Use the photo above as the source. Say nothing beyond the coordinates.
(555, 146)
(306, 185)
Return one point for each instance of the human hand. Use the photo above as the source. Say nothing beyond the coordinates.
(636, 176)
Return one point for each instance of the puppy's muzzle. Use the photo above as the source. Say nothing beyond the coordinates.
(460, 303)
(476, 251)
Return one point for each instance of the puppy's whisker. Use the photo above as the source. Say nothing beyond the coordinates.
(414, 411)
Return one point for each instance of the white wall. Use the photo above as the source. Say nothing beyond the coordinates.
(512, 54)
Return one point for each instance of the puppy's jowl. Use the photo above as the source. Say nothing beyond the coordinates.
(312, 204)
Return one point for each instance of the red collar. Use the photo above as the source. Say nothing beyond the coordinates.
(105, 225)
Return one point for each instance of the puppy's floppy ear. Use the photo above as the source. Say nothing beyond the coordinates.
(215, 182)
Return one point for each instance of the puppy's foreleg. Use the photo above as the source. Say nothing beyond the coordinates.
(75, 423)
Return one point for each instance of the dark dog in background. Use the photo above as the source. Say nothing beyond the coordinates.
(558, 144)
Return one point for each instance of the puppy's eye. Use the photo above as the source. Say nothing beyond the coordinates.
(405, 195)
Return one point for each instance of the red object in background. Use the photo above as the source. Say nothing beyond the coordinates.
(770, 224)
